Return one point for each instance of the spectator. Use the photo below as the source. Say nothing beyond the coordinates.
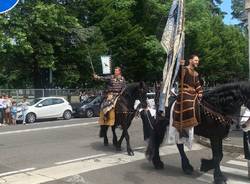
(24, 105)
(83, 96)
(13, 111)
(1, 109)
(8, 104)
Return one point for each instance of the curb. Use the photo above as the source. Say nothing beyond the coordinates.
(226, 147)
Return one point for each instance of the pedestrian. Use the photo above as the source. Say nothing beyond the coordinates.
(83, 96)
(7, 116)
(13, 111)
(1, 110)
(24, 107)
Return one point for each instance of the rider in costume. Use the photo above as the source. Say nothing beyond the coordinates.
(188, 95)
(115, 85)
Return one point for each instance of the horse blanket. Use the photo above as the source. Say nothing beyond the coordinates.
(107, 112)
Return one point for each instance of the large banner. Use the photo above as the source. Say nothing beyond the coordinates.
(7, 5)
(173, 40)
(106, 64)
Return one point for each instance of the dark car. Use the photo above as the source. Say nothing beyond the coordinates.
(89, 108)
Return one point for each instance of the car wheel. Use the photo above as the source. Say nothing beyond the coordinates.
(90, 113)
(67, 115)
(30, 118)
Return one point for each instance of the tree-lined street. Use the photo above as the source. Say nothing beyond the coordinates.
(51, 46)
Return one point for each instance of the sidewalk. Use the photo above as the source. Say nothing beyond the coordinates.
(234, 144)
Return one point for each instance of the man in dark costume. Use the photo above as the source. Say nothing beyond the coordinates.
(190, 91)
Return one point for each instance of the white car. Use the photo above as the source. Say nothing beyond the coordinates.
(150, 100)
(46, 107)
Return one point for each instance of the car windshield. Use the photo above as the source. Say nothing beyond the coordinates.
(89, 99)
(35, 101)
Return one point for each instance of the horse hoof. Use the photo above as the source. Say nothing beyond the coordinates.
(131, 153)
(158, 164)
(206, 165)
(188, 169)
(220, 181)
(114, 143)
(106, 144)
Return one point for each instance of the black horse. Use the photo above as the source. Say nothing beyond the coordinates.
(125, 112)
(218, 108)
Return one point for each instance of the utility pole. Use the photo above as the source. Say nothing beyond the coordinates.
(247, 8)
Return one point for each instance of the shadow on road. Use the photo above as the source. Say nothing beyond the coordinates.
(100, 147)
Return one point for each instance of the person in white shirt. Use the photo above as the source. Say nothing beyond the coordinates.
(24, 105)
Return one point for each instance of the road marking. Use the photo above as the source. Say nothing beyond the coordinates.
(239, 163)
(71, 169)
(208, 178)
(47, 128)
(80, 159)
(15, 172)
(234, 171)
(140, 148)
(241, 157)
(59, 121)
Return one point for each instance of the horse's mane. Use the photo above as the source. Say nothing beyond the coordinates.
(130, 88)
(226, 98)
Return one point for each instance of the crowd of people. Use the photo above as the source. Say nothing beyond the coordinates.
(9, 110)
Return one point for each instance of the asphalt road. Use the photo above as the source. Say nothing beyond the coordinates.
(63, 152)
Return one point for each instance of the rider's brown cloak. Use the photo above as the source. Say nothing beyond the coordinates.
(191, 89)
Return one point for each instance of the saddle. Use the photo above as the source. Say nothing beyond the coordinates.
(107, 112)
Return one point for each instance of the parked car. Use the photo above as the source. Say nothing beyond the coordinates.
(46, 108)
(150, 100)
(89, 108)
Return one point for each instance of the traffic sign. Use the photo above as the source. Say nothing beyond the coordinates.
(7, 5)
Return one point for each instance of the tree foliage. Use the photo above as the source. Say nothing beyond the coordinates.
(65, 36)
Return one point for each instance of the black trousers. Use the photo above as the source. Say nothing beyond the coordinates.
(1, 115)
(246, 140)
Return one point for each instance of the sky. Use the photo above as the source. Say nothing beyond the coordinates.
(226, 7)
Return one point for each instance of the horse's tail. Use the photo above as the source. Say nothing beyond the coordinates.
(156, 138)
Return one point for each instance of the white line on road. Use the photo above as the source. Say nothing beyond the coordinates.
(15, 172)
(80, 159)
(47, 128)
(239, 163)
(71, 169)
(234, 171)
(208, 178)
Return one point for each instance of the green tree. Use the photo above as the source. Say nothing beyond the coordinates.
(222, 48)
(238, 8)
